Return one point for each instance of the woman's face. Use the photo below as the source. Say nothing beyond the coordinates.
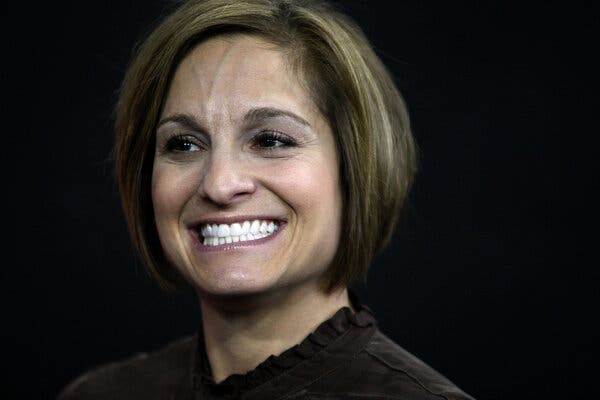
(245, 184)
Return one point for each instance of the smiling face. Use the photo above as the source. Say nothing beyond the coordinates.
(245, 183)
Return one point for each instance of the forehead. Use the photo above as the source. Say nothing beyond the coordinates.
(235, 73)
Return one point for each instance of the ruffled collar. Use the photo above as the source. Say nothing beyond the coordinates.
(325, 334)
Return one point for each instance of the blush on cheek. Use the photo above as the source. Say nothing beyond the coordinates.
(303, 177)
(171, 188)
(312, 190)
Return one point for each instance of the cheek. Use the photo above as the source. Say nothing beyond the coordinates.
(312, 189)
(171, 189)
(306, 184)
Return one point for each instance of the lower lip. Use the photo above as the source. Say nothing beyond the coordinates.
(234, 245)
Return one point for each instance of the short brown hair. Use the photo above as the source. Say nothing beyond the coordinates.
(348, 83)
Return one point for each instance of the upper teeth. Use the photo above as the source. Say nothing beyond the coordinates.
(237, 232)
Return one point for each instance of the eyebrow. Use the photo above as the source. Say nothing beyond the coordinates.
(261, 113)
(253, 116)
(185, 120)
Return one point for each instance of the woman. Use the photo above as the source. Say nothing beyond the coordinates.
(263, 154)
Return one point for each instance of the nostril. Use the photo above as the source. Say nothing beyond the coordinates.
(226, 181)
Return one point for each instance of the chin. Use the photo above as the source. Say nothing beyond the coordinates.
(231, 284)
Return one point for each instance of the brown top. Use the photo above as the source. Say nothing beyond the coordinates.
(345, 357)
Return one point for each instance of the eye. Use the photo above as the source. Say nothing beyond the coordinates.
(183, 143)
(271, 140)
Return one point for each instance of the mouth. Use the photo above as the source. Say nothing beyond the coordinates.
(213, 234)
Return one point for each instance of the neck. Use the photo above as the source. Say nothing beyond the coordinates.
(241, 333)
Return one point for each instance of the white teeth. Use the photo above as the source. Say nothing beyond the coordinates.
(214, 234)
(236, 229)
(255, 227)
(245, 227)
(223, 230)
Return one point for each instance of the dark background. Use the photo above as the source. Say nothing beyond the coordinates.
(491, 279)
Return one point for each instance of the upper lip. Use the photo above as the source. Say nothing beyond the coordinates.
(228, 220)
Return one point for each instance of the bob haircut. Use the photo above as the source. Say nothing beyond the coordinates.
(348, 83)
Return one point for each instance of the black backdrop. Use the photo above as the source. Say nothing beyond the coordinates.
(487, 280)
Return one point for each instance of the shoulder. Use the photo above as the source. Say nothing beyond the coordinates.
(381, 369)
(145, 375)
(403, 373)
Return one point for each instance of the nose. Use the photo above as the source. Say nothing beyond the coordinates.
(225, 180)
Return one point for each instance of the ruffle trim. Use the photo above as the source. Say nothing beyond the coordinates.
(273, 366)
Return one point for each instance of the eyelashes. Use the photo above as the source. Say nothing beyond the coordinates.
(264, 141)
(183, 144)
(273, 140)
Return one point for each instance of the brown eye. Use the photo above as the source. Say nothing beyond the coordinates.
(183, 144)
(272, 140)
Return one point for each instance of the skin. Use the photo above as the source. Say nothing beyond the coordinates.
(217, 157)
